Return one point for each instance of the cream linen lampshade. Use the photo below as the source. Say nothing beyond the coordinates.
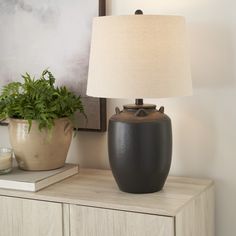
(139, 56)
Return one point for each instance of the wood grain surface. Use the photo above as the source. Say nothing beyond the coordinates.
(98, 188)
(20, 217)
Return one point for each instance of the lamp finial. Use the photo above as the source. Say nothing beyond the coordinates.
(138, 12)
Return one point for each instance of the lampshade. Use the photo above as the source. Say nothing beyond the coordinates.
(139, 56)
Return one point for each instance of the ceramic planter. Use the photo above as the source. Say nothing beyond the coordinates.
(40, 150)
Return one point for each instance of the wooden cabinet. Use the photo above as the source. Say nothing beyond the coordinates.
(90, 204)
(21, 217)
(91, 221)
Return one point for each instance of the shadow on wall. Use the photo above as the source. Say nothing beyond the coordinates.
(212, 55)
(89, 150)
(193, 136)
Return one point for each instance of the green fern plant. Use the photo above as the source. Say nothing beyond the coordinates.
(38, 99)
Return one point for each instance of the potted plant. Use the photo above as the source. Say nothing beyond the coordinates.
(40, 120)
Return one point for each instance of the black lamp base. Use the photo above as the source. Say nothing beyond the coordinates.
(140, 148)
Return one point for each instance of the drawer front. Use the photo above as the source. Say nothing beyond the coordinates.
(22, 217)
(89, 221)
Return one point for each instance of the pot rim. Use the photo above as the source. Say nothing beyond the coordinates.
(34, 121)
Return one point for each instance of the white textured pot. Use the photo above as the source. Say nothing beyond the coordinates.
(40, 150)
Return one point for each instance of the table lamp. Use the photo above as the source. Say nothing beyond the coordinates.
(139, 56)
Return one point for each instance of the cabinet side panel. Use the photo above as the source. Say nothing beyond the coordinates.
(89, 221)
(198, 217)
(21, 217)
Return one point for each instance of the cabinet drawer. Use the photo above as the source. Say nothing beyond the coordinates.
(23, 217)
(90, 221)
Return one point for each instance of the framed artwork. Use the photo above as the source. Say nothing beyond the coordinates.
(52, 34)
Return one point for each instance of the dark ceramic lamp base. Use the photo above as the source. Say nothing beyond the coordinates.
(140, 147)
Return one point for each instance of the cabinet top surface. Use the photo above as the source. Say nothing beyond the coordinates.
(97, 188)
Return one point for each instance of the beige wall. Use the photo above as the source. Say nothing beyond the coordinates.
(204, 125)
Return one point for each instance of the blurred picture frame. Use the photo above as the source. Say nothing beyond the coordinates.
(70, 23)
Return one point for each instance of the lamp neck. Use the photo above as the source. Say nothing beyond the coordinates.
(139, 101)
(139, 105)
